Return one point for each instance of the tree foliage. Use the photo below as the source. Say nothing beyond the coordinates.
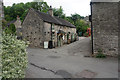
(11, 29)
(21, 9)
(81, 26)
(59, 12)
(78, 21)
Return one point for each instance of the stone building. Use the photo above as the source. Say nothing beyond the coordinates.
(104, 21)
(39, 27)
(18, 26)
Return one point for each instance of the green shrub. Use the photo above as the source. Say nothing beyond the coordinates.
(11, 29)
(14, 57)
(86, 34)
(100, 54)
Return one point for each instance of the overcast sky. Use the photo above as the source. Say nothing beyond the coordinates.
(81, 7)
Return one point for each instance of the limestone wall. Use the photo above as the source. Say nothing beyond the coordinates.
(105, 27)
(33, 29)
(47, 31)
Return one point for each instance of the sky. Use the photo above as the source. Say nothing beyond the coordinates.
(81, 7)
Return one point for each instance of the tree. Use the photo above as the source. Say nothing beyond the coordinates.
(21, 9)
(69, 18)
(4, 23)
(78, 21)
(59, 12)
(81, 26)
(41, 6)
(11, 29)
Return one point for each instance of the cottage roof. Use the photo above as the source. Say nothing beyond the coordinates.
(65, 23)
(11, 22)
(52, 19)
(47, 17)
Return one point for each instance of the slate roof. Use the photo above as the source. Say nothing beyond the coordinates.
(11, 22)
(65, 23)
(52, 19)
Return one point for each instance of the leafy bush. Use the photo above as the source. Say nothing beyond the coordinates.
(100, 54)
(81, 26)
(11, 29)
(14, 57)
(86, 34)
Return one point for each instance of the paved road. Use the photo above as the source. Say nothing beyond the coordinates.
(68, 61)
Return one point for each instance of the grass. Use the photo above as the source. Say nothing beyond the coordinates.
(100, 54)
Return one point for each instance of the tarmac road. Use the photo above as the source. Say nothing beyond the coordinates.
(68, 61)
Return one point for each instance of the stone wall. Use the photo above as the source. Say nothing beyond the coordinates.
(47, 31)
(56, 29)
(33, 30)
(105, 27)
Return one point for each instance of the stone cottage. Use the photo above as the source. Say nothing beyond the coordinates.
(39, 27)
(104, 24)
(18, 26)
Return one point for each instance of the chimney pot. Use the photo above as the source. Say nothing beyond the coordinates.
(18, 17)
(50, 11)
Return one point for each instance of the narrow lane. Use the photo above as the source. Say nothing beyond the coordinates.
(68, 61)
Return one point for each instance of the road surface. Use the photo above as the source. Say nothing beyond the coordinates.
(68, 61)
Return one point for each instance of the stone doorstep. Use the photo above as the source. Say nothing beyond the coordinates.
(85, 74)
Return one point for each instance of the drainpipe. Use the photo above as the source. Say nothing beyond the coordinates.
(51, 42)
(91, 27)
(51, 31)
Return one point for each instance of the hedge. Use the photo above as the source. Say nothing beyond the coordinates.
(14, 57)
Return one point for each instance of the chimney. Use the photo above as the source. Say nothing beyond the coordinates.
(50, 11)
(18, 17)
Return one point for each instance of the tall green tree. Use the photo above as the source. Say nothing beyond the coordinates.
(11, 29)
(78, 21)
(41, 6)
(59, 12)
(81, 26)
(21, 9)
